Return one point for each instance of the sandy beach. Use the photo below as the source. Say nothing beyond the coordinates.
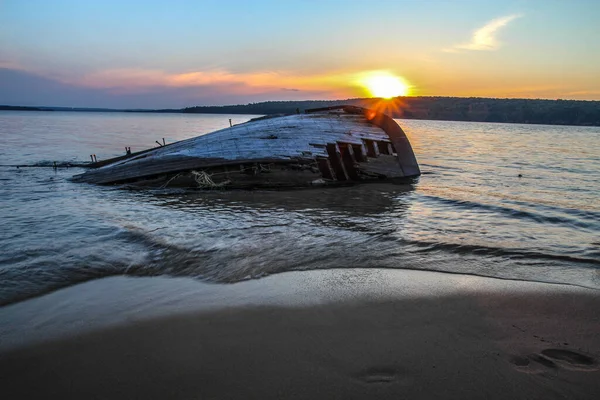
(345, 334)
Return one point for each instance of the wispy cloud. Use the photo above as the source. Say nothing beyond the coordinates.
(484, 38)
(583, 92)
(284, 81)
(146, 78)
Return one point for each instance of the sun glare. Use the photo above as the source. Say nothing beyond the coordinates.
(385, 85)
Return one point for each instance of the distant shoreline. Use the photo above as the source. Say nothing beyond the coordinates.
(22, 108)
(473, 109)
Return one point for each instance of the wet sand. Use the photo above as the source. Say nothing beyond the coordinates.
(344, 334)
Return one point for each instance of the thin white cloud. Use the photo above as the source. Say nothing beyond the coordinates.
(484, 38)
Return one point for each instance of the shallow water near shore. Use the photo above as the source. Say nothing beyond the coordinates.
(502, 200)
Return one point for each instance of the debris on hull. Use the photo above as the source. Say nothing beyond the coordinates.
(334, 145)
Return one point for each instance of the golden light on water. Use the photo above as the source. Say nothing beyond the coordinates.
(385, 85)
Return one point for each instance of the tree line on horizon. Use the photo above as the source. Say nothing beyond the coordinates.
(527, 111)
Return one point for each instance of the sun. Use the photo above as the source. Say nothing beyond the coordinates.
(385, 85)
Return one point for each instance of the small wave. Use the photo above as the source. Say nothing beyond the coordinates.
(37, 282)
(501, 252)
(211, 267)
(519, 214)
(442, 167)
(491, 276)
(576, 212)
(48, 164)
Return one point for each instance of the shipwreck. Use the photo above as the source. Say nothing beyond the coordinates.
(327, 146)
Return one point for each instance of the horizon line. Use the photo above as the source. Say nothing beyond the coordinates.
(300, 101)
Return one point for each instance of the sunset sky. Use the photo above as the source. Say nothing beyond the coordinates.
(178, 53)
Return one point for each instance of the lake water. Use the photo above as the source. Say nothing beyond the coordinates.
(501, 200)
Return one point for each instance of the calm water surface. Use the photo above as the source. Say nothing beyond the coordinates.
(470, 212)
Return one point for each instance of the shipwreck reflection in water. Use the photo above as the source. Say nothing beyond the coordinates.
(358, 200)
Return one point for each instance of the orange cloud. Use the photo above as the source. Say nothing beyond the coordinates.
(336, 84)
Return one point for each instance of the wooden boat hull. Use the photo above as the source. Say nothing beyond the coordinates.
(336, 145)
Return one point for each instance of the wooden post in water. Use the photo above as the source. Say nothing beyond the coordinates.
(230, 125)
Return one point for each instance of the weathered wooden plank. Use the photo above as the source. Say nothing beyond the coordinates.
(384, 165)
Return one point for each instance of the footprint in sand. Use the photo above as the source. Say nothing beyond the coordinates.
(571, 359)
(378, 375)
(543, 361)
(553, 359)
(520, 361)
(383, 375)
(532, 363)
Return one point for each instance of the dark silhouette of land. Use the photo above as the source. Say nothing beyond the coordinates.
(526, 111)
(21, 108)
(552, 112)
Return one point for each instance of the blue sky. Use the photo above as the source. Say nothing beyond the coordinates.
(180, 53)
